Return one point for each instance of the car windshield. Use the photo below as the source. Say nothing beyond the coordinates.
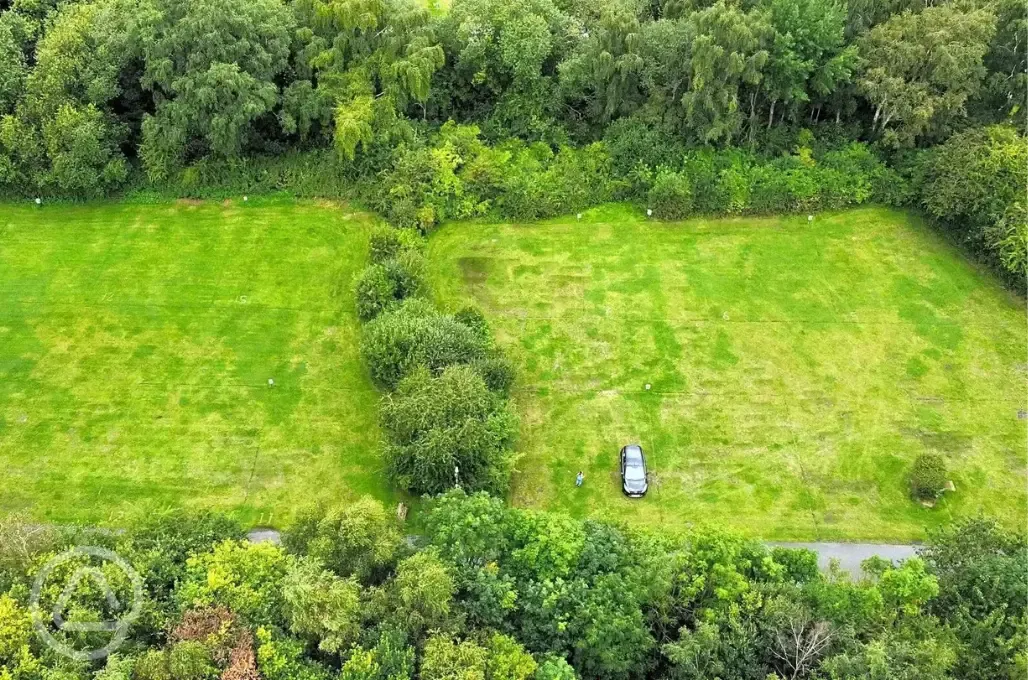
(634, 474)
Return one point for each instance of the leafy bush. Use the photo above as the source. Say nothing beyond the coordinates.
(497, 371)
(413, 334)
(972, 184)
(380, 285)
(927, 476)
(576, 179)
(244, 577)
(632, 142)
(374, 291)
(435, 425)
(190, 660)
(387, 243)
(360, 539)
(473, 318)
(671, 196)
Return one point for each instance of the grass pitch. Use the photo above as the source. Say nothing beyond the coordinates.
(781, 375)
(136, 348)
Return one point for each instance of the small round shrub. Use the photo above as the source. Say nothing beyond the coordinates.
(671, 196)
(380, 285)
(387, 243)
(413, 333)
(927, 477)
(408, 272)
(152, 665)
(374, 291)
(473, 318)
(434, 424)
(497, 371)
(190, 660)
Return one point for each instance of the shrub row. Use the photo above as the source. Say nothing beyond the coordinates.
(974, 186)
(455, 175)
(446, 416)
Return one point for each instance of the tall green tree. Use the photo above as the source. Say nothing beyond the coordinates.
(1005, 92)
(919, 69)
(727, 56)
(13, 68)
(212, 66)
(809, 59)
(373, 59)
(603, 77)
(503, 67)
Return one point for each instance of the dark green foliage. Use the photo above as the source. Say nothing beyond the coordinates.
(212, 67)
(473, 318)
(632, 142)
(670, 197)
(413, 334)
(392, 280)
(374, 291)
(446, 430)
(497, 371)
(975, 184)
(387, 243)
(927, 476)
(983, 580)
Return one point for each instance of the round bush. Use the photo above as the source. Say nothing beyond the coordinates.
(927, 477)
(407, 271)
(374, 291)
(387, 243)
(436, 424)
(190, 660)
(473, 318)
(380, 285)
(411, 334)
(497, 371)
(671, 196)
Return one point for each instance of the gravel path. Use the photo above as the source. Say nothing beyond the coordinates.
(850, 555)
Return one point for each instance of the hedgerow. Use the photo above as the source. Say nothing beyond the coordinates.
(445, 416)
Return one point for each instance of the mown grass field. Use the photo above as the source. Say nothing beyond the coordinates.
(136, 346)
(795, 370)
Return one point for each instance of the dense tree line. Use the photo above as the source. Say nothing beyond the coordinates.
(98, 96)
(493, 593)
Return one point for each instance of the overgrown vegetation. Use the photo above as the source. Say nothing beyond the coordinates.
(497, 593)
(521, 111)
(747, 106)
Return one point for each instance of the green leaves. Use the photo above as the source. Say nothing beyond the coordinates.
(448, 430)
(212, 68)
(322, 606)
(918, 70)
(975, 183)
(374, 58)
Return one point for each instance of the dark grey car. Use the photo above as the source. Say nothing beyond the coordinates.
(633, 471)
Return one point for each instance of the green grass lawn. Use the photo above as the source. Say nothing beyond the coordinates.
(795, 369)
(136, 346)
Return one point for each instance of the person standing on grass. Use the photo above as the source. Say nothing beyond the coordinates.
(580, 478)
